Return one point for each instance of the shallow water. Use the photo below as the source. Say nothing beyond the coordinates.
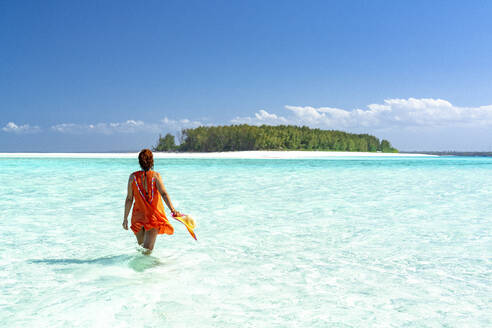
(281, 243)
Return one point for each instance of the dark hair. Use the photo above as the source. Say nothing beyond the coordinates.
(146, 159)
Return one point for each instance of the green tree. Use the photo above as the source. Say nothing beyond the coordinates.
(165, 144)
(386, 147)
(267, 137)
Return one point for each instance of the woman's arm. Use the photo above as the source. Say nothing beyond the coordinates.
(165, 195)
(128, 202)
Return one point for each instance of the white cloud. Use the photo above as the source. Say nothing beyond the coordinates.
(129, 126)
(393, 113)
(177, 125)
(387, 118)
(262, 117)
(25, 128)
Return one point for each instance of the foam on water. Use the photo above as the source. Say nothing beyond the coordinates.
(281, 243)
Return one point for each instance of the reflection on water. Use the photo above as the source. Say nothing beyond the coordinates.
(105, 260)
(143, 262)
(139, 262)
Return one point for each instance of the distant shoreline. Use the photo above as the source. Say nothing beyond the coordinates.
(453, 153)
(260, 154)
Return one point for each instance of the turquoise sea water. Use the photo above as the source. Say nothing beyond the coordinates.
(343, 242)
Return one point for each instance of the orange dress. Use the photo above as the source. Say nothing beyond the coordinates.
(148, 209)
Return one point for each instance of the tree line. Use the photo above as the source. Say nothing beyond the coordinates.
(269, 137)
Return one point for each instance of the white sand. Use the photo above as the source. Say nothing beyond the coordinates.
(235, 154)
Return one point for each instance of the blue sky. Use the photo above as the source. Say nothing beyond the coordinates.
(112, 75)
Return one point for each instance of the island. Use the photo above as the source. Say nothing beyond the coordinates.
(245, 137)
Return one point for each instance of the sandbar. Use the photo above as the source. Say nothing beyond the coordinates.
(258, 154)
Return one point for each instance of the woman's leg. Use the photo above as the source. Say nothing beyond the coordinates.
(149, 239)
(140, 236)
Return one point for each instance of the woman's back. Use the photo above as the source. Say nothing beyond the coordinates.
(148, 209)
(144, 191)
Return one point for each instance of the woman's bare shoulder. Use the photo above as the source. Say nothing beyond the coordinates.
(157, 174)
(132, 175)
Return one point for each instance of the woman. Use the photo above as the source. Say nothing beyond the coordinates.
(148, 216)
